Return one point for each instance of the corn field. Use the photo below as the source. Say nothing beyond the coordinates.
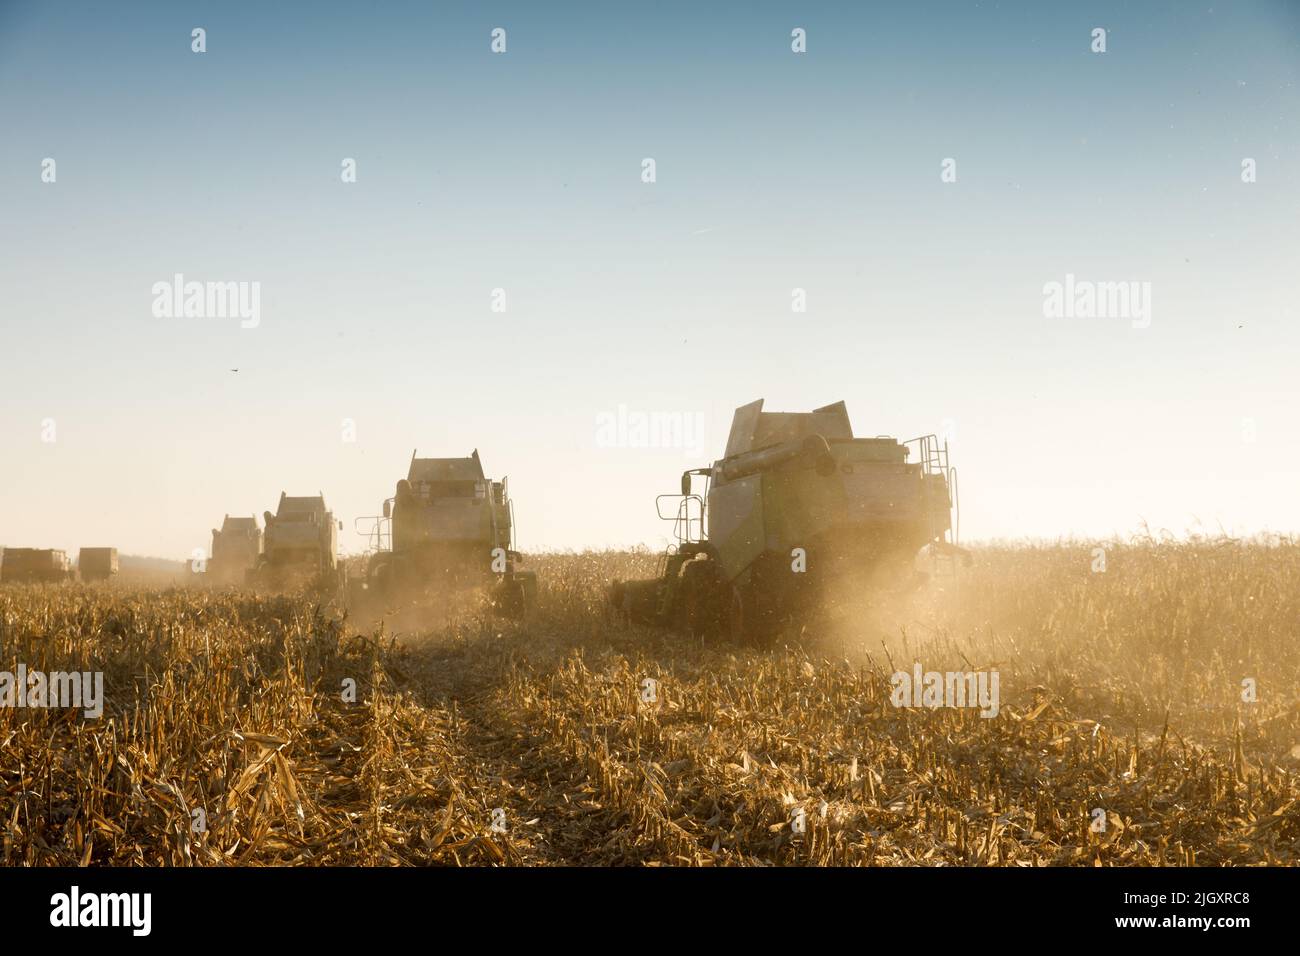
(1149, 715)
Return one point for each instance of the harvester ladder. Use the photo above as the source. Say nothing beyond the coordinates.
(948, 556)
(934, 460)
(934, 457)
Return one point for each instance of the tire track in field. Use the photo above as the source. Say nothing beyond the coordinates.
(540, 797)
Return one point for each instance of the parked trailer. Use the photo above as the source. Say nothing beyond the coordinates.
(97, 564)
(35, 565)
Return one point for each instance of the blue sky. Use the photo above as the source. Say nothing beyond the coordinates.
(522, 171)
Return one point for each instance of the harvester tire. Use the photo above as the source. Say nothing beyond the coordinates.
(705, 595)
(515, 593)
(633, 602)
(357, 593)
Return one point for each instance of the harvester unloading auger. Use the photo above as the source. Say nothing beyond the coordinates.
(448, 524)
(795, 503)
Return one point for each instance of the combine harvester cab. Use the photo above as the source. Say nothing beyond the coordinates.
(97, 564)
(447, 525)
(236, 549)
(797, 502)
(300, 547)
(35, 566)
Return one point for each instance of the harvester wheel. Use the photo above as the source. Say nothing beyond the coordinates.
(634, 602)
(524, 584)
(705, 598)
(764, 599)
(379, 576)
(529, 581)
(515, 593)
(357, 592)
(761, 625)
(333, 585)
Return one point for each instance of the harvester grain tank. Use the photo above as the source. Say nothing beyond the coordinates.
(300, 545)
(236, 548)
(35, 566)
(447, 524)
(97, 564)
(795, 503)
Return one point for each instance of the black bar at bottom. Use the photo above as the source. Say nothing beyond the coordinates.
(502, 906)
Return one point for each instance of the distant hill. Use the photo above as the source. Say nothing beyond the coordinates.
(137, 562)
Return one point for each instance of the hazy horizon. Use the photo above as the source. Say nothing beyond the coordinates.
(520, 171)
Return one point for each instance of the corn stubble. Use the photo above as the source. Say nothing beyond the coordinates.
(1121, 692)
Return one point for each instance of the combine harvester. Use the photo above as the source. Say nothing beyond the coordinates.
(795, 504)
(300, 548)
(35, 566)
(236, 549)
(447, 526)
